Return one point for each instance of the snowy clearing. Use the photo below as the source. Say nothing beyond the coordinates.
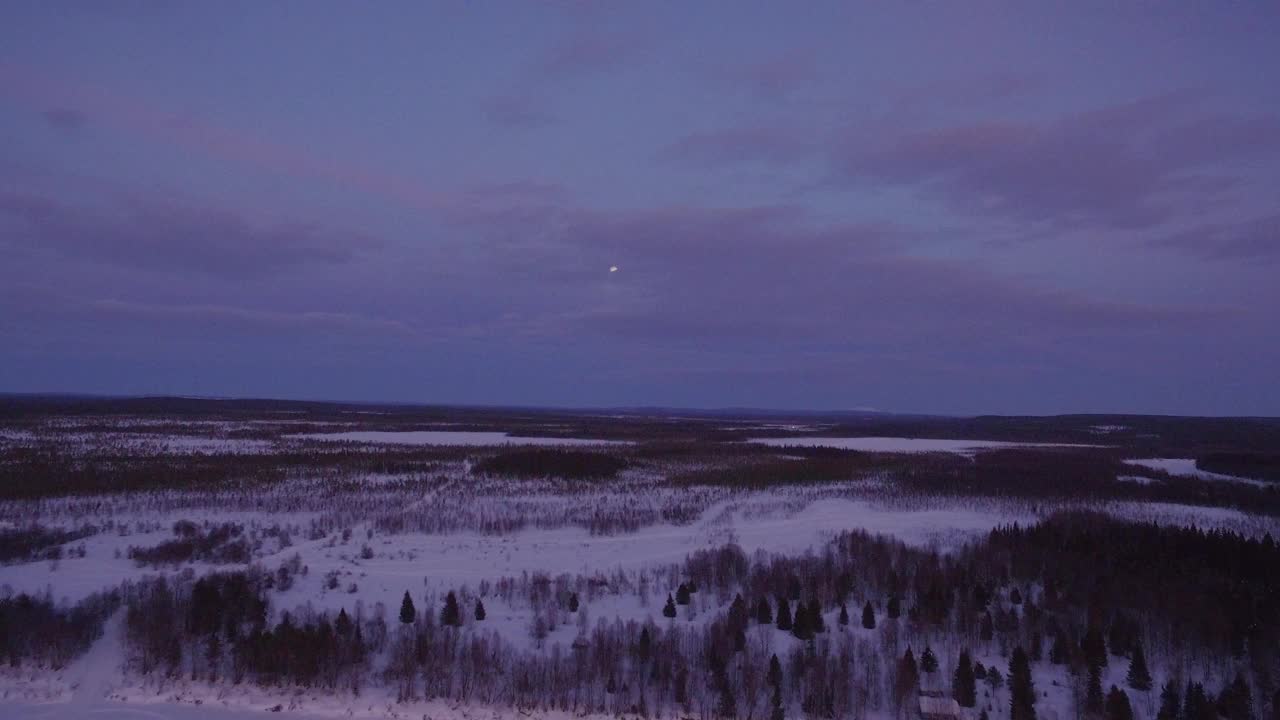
(1186, 467)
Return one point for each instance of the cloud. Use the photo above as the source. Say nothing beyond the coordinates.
(65, 120)
(1256, 239)
(587, 51)
(208, 317)
(775, 78)
(1128, 166)
(157, 235)
(515, 112)
(731, 146)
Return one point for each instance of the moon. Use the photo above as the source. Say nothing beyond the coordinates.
(613, 268)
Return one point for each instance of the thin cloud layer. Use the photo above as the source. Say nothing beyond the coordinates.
(921, 209)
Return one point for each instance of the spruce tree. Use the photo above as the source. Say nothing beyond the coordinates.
(776, 713)
(894, 607)
(450, 614)
(1022, 691)
(670, 609)
(480, 614)
(1237, 699)
(1118, 707)
(774, 675)
(764, 613)
(844, 615)
(928, 661)
(407, 611)
(1094, 648)
(784, 614)
(644, 646)
(1170, 703)
(801, 626)
(963, 683)
(815, 617)
(868, 616)
(1059, 654)
(1093, 696)
(682, 594)
(1196, 705)
(573, 602)
(987, 628)
(1139, 678)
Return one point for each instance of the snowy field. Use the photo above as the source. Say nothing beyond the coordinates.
(1186, 467)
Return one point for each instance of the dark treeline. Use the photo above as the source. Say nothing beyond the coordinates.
(36, 542)
(33, 630)
(1258, 466)
(220, 544)
(854, 629)
(543, 462)
(1075, 475)
(46, 470)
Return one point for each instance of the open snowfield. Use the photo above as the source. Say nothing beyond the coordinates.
(1186, 467)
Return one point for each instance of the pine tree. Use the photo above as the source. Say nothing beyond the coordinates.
(784, 614)
(1139, 677)
(450, 614)
(894, 607)
(1022, 691)
(764, 613)
(1093, 696)
(1059, 654)
(480, 614)
(776, 713)
(868, 616)
(670, 609)
(407, 611)
(573, 602)
(963, 683)
(774, 675)
(343, 624)
(644, 646)
(908, 677)
(987, 628)
(983, 715)
(815, 617)
(682, 594)
(1237, 700)
(1094, 648)
(1118, 707)
(928, 661)
(844, 615)
(802, 627)
(1170, 703)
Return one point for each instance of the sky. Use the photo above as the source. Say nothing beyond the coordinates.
(953, 208)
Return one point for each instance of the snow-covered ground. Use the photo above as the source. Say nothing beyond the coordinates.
(447, 437)
(1186, 467)
(902, 445)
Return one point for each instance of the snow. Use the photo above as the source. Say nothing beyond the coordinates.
(1186, 467)
(902, 445)
(447, 437)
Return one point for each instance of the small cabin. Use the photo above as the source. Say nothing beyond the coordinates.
(935, 705)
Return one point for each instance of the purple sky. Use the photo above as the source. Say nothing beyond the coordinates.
(930, 207)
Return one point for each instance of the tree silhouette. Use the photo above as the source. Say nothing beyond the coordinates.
(670, 609)
(480, 614)
(1139, 678)
(1022, 692)
(963, 683)
(868, 616)
(407, 611)
(450, 615)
